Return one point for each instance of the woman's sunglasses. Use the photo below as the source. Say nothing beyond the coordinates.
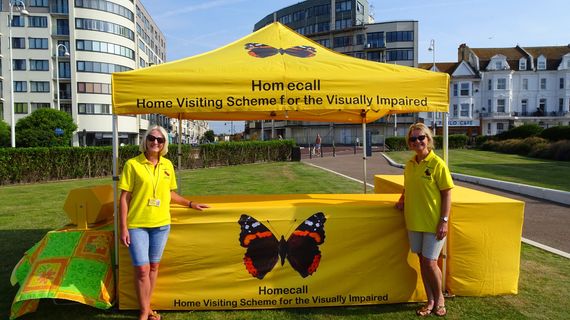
(421, 138)
(151, 138)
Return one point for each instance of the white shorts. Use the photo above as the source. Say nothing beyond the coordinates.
(426, 244)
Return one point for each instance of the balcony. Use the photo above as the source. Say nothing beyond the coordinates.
(375, 45)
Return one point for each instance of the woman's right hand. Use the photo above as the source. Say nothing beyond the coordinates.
(125, 238)
(400, 205)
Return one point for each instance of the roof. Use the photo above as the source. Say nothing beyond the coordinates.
(446, 67)
(553, 55)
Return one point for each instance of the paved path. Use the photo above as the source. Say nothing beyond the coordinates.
(545, 223)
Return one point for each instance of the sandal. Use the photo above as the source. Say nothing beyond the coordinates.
(154, 316)
(423, 311)
(440, 311)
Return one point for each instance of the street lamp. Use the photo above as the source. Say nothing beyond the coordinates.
(22, 8)
(432, 50)
(66, 53)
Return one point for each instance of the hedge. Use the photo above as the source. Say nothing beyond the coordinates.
(556, 133)
(26, 165)
(532, 146)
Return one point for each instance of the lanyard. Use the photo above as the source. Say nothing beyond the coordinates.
(154, 181)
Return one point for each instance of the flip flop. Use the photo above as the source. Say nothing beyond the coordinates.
(440, 311)
(423, 311)
(154, 316)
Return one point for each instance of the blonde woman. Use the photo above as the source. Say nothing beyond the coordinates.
(148, 185)
(426, 202)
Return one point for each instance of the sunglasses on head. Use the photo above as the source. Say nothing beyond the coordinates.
(421, 138)
(151, 138)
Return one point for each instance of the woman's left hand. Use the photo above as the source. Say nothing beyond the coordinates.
(441, 230)
(198, 206)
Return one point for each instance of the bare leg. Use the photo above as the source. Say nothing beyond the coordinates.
(432, 276)
(424, 268)
(143, 288)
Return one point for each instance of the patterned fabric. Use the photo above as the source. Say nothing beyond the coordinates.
(74, 265)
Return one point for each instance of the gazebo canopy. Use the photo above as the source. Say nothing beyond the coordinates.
(275, 73)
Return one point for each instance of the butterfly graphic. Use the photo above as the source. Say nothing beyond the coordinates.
(260, 50)
(264, 250)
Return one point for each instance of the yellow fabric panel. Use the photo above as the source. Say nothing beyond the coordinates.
(365, 255)
(236, 83)
(484, 241)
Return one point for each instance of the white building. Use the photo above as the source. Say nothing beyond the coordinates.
(63, 54)
(494, 89)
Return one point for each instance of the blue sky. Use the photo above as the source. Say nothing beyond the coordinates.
(192, 27)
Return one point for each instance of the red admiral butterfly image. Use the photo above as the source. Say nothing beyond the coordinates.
(260, 50)
(264, 250)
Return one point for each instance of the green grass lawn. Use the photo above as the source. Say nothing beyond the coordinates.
(29, 211)
(508, 167)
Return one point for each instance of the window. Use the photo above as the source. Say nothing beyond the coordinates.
(18, 43)
(93, 87)
(38, 43)
(396, 36)
(324, 42)
(500, 127)
(39, 65)
(360, 39)
(18, 21)
(560, 104)
(489, 105)
(465, 110)
(543, 83)
(465, 89)
(105, 47)
(20, 86)
(394, 55)
(94, 108)
(64, 70)
(39, 86)
(100, 67)
(541, 64)
(62, 26)
(375, 40)
(455, 111)
(19, 64)
(38, 3)
(501, 84)
(542, 106)
(498, 65)
(343, 24)
(525, 84)
(342, 41)
(21, 107)
(561, 83)
(524, 106)
(375, 56)
(490, 84)
(343, 6)
(522, 64)
(455, 89)
(104, 26)
(40, 105)
(500, 105)
(37, 22)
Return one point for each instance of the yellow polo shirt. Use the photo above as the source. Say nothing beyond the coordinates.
(422, 199)
(145, 182)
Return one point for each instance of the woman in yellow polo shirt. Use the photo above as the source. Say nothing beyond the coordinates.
(426, 202)
(148, 185)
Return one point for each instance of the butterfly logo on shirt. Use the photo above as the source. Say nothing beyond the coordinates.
(301, 249)
(260, 50)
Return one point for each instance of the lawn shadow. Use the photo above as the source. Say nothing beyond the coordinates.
(13, 245)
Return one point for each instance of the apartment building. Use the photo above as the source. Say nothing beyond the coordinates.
(494, 89)
(61, 55)
(348, 27)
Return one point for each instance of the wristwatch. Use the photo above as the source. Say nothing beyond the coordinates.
(444, 219)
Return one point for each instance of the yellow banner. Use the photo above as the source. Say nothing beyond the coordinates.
(278, 74)
(280, 251)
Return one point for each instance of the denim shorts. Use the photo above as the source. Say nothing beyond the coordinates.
(426, 244)
(147, 244)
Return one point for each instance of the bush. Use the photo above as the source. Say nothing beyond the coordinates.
(455, 141)
(396, 143)
(45, 128)
(556, 133)
(520, 132)
(24, 165)
(5, 134)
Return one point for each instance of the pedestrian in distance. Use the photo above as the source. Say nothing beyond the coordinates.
(148, 186)
(426, 202)
(318, 144)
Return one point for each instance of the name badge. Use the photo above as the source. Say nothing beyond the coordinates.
(154, 202)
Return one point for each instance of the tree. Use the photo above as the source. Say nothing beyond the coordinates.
(4, 134)
(45, 128)
(209, 136)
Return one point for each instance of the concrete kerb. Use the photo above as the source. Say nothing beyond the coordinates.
(558, 196)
